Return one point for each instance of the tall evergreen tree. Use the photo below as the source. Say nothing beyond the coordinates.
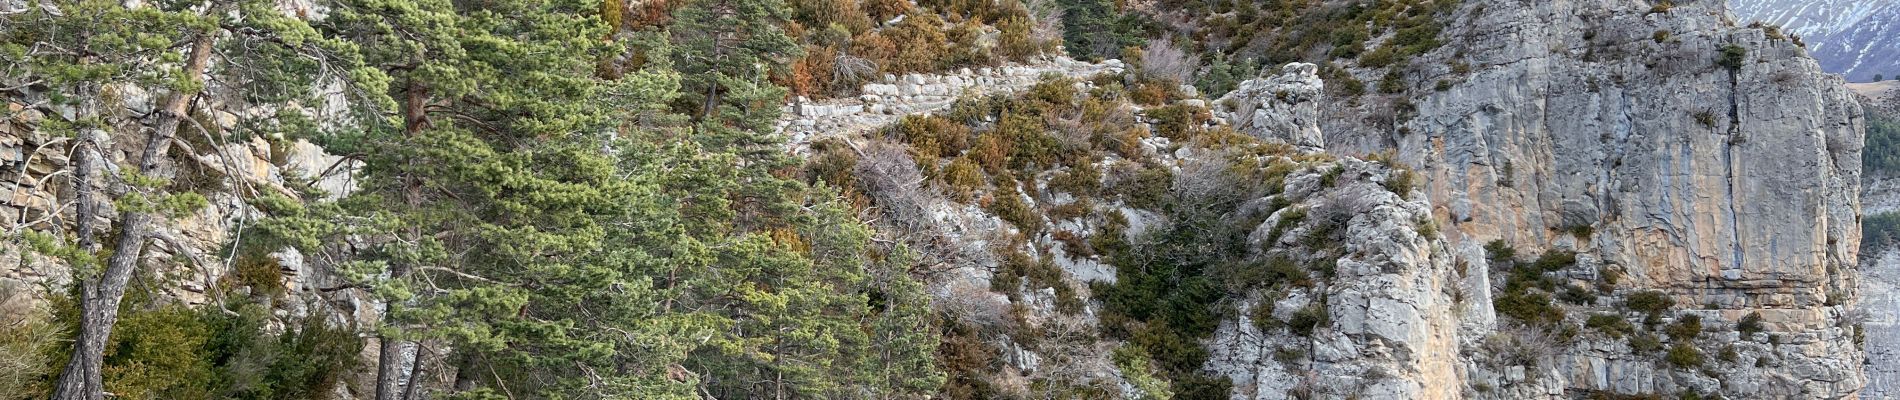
(485, 186)
(73, 55)
(725, 49)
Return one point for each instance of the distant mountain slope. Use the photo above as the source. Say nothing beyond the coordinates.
(1854, 38)
(1809, 17)
(1868, 48)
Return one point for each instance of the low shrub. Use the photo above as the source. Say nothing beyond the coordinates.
(1308, 319)
(1685, 328)
(1684, 355)
(1733, 57)
(1750, 325)
(1645, 343)
(1499, 250)
(1650, 302)
(1610, 324)
(1008, 204)
(1533, 309)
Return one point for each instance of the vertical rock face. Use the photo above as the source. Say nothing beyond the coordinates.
(1285, 106)
(1880, 298)
(1676, 153)
(1728, 185)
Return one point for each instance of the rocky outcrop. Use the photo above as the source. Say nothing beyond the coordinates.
(1389, 315)
(1283, 107)
(229, 174)
(1685, 159)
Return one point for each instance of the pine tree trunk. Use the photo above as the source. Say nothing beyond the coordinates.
(389, 363)
(100, 295)
(83, 372)
(392, 354)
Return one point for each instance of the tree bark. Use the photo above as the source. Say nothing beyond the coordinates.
(100, 295)
(82, 373)
(390, 360)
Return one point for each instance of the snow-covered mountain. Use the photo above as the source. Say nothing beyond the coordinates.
(1855, 38)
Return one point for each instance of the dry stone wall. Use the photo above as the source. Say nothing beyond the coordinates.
(883, 102)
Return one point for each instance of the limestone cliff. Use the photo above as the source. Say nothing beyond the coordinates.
(1674, 152)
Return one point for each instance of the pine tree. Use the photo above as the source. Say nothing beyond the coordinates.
(725, 49)
(484, 187)
(74, 53)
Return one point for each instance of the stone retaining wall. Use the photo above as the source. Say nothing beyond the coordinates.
(883, 102)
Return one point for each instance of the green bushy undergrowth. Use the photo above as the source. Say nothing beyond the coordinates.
(174, 351)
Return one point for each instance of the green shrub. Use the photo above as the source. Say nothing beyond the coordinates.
(1095, 29)
(1662, 7)
(1733, 57)
(1555, 261)
(1288, 355)
(1081, 180)
(1133, 361)
(1686, 328)
(967, 359)
(1729, 354)
(1324, 232)
(1331, 176)
(1262, 316)
(1684, 355)
(1015, 39)
(919, 41)
(175, 351)
(1393, 82)
(1499, 250)
(1288, 219)
(1148, 189)
(1882, 154)
(1750, 325)
(1008, 205)
(1534, 309)
(1308, 319)
(1660, 36)
(1177, 122)
(1427, 227)
(963, 176)
(933, 135)
(1402, 182)
(29, 346)
(1650, 302)
(1282, 270)
(832, 162)
(1610, 324)
(1645, 343)
(1578, 295)
(1580, 231)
